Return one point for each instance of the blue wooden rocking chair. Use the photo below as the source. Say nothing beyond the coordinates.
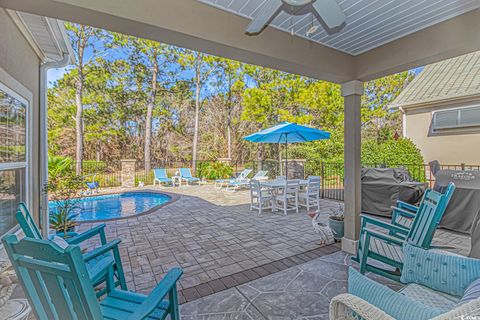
(97, 260)
(387, 247)
(56, 285)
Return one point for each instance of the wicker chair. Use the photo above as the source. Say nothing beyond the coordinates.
(428, 293)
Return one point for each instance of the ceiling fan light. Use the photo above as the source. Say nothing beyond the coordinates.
(311, 30)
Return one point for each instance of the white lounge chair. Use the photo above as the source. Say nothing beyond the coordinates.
(311, 195)
(243, 176)
(235, 185)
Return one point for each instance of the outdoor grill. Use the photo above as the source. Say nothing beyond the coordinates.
(382, 187)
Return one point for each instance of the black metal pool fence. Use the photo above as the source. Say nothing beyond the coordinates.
(108, 174)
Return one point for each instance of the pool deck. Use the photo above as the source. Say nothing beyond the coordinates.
(237, 264)
(219, 242)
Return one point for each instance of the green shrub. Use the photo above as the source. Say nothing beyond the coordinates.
(214, 170)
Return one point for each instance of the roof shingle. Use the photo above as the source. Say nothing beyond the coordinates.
(446, 80)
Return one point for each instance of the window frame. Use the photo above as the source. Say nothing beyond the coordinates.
(461, 128)
(27, 164)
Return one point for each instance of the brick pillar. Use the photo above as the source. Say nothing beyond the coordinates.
(128, 173)
(296, 168)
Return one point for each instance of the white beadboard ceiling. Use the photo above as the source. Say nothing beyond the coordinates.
(369, 23)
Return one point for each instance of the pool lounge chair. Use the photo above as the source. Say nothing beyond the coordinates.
(241, 177)
(235, 185)
(160, 176)
(186, 175)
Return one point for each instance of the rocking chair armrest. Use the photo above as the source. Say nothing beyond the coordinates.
(97, 230)
(111, 246)
(383, 236)
(157, 295)
(383, 224)
(404, 205)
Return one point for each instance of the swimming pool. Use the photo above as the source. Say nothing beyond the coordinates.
(115, 206)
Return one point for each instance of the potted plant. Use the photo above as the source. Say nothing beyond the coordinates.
(63, 193)
(336, 222)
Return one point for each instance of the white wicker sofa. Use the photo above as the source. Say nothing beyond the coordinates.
(438, 286)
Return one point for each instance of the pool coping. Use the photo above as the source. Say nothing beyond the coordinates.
(173, 198)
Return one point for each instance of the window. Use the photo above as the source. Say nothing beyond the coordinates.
(459, 118)
(13, 155)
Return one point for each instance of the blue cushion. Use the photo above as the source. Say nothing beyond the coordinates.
(443, 272)
(393, 303)
(472, 293)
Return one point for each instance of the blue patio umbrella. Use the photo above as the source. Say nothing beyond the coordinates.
(287, 132)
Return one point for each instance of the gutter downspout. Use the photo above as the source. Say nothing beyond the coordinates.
(43, 139)
(404, 122)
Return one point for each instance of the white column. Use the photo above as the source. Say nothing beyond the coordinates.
(352, 92)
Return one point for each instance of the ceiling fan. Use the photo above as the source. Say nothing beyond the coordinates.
(328, 13)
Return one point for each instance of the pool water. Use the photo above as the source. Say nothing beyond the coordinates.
(114, 206)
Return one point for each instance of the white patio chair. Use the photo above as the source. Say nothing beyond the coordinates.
(260, 198)
(236, 185)
(281, 178)
(287, 199)
(310, 197)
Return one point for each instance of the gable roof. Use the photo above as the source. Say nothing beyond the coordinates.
(452, 79)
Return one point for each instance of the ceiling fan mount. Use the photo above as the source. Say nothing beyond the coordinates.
(327, 12)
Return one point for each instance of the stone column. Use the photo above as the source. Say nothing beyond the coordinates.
(352, 92)
(296, 168)
(128, 173)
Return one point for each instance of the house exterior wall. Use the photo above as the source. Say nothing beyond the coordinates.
(454, 147)
(20, 70)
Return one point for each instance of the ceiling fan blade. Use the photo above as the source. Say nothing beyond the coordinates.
(266, 14)
(331, 13)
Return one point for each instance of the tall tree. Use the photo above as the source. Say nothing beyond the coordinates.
(203, 67)
(81, 38)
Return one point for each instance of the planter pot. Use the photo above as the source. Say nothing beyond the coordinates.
(70, 233)
(337, 227)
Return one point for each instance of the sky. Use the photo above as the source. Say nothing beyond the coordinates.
(112, 54)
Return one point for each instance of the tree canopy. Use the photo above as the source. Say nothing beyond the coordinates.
(154, 102)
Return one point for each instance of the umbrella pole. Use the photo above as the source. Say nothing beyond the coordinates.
(286, 156)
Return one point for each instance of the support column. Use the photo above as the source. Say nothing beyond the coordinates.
(352, 92)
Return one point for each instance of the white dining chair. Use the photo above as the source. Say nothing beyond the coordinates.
(310, 197)
(287, 199)
(260, 198)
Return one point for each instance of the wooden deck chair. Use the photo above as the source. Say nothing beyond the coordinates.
(97, 260)
(57, 288)
(387, 247)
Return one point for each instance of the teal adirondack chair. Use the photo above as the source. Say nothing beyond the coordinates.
(57, 288)
(160, 176)
(387, 247)
(186, 175)
(97, 260)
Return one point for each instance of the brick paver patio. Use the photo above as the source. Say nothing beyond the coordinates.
(229, 253)
(219, 242)
(212, 234)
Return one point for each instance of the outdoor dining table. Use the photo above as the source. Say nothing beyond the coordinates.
(279, 184)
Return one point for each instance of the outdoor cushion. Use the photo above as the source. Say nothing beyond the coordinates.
(429, 297)
(472, 293)
(391, 302)
(444, 272)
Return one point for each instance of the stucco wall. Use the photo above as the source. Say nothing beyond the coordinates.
(20, 62)
(452, 148)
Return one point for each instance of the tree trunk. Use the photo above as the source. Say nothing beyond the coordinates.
(79, 103)
(148, 121)
(198, 64)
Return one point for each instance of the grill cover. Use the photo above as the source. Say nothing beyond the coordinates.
(464, 206)
(382, 187)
